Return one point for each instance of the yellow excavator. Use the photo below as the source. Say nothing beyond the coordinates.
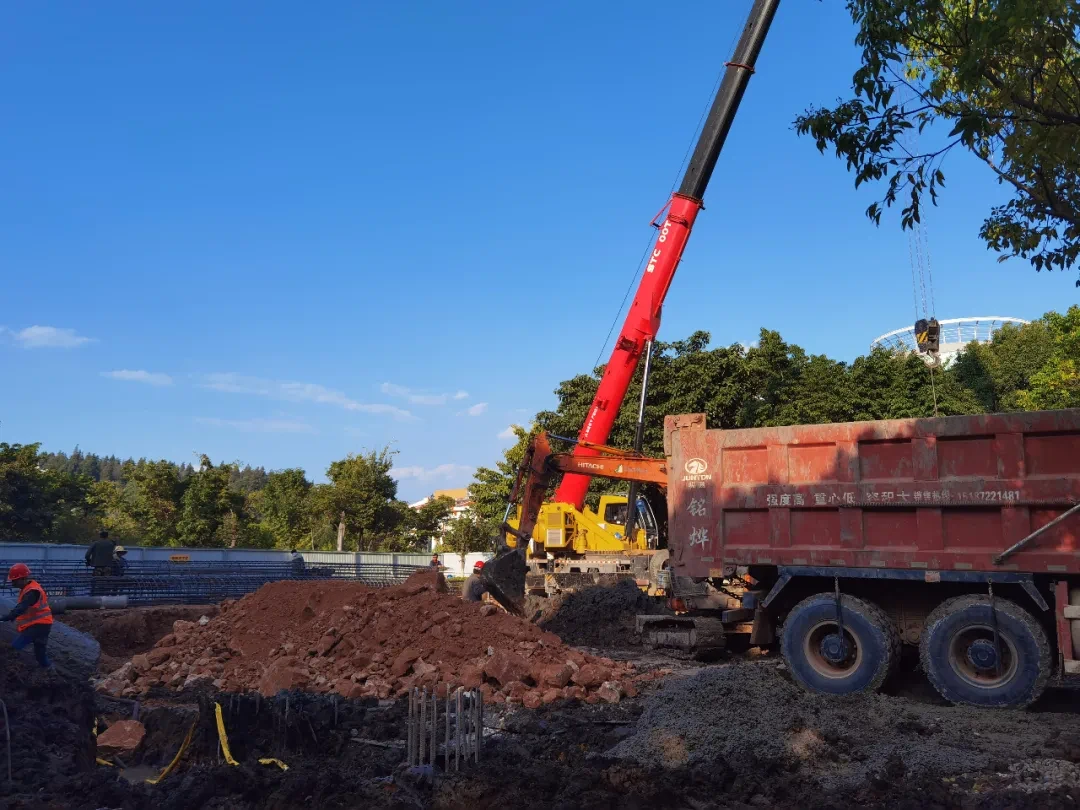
(571, 545)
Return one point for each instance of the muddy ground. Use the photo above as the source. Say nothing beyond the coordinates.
(737, 734)
(731, 736)
(124, 633)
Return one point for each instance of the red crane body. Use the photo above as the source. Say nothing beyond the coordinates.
(643, 319)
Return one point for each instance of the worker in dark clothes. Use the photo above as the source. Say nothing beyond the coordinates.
(435, 564)
(297, 560)
(100, 557)
(33, 616)
(474, 588)
(119, 563)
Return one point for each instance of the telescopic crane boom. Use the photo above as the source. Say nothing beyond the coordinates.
(643, 319)
(505, 575)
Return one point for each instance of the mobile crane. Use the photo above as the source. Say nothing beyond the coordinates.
(578, 540)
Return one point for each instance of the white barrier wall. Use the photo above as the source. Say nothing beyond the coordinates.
(31, 552)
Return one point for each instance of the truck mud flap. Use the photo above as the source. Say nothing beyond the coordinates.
(682, 636)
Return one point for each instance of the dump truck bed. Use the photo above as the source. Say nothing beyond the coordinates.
(950, 493)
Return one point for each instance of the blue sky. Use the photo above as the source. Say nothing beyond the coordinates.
(277, 234)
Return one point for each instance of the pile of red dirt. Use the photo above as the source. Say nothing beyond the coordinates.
(372, 642)
(127, 632)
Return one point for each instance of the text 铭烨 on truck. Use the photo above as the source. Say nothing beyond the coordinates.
(843, 542)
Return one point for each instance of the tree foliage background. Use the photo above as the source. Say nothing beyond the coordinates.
(1033, 367)
(67, 497)
(999, 79)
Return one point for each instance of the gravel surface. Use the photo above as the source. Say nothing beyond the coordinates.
(753, 712)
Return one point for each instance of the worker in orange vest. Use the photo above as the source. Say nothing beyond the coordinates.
(33, 616)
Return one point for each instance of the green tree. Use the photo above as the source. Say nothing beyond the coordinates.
(428, 521)
(466, 534)
(1057, 383)
(360, 498)
(211, 513)
(1002, 79)
(153, 498)
(490, 491)
(284, 507)
(36, 503)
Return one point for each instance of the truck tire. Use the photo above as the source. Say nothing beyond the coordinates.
(809, 644)
(957, 653)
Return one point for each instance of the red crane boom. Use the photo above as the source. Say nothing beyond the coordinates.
(643, 319)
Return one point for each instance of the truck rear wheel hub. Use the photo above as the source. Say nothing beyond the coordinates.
(982, 655)
(834, 648)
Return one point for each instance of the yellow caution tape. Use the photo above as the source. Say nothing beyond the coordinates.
(101, 761)
(180, 753)
(221, 736)
(272, 761)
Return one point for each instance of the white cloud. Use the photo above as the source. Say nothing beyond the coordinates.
(477, 409)
(48, 337)
(260, 425)
(419, 398)
(148, 377)
(296, 392)
(508, 434)
(443, 471)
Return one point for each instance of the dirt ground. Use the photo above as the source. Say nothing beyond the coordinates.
(124, 633)
(738, 734)
(599, 617)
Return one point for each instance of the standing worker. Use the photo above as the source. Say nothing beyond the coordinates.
(435, 562)
(100, 557)
(474, 588)
(119, 563)
(33, 616)
(297, 561)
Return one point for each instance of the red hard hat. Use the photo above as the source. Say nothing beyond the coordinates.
(479, 564)
(18, 571)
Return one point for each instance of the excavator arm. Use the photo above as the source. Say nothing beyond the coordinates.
(505, 575)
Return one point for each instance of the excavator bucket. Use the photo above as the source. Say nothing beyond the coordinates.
(505, 579)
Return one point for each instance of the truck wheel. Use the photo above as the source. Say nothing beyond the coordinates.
(818, 660)
(958, 655)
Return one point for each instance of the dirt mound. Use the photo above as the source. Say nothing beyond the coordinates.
(599, 616)
(753, 711)
(51, 721)
(360, 642)
(124, 633)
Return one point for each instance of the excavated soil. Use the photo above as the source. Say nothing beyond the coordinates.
(50, 721)
(124, 633)
(358, 642)
(598, 616)
(752, 710)
(737, 736)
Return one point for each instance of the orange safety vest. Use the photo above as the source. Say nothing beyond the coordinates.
(39, 612)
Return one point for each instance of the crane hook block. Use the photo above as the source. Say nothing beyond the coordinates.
(928, 335)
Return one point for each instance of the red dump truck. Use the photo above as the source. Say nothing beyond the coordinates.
(845, 541)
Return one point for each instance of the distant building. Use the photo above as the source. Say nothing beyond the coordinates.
(462, 504)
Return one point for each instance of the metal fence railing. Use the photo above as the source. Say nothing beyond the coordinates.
(155, 583)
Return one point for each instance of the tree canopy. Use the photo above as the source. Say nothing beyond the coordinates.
(997, 78)
(775, 383)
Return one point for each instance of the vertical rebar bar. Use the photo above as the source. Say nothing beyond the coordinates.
(479, 722)
(446, 740)
(434, 728)
(423, 726)
(409, 732)
(457, 730)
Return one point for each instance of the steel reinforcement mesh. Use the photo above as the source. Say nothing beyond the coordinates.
(156, 583)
